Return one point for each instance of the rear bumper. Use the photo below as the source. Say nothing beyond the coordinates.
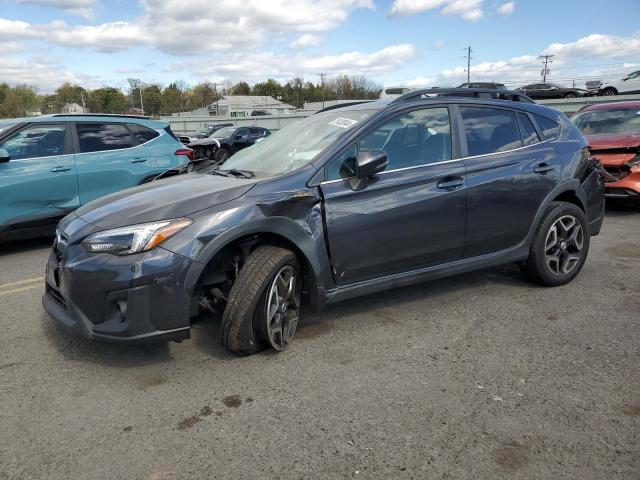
(120, 299)
(628, 188)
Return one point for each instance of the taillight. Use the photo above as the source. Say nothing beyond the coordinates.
(187, 152)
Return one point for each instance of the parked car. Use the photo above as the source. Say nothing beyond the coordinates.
(394, 92)
(227, 141)
(203, 132)
(347, 202)
(260, 113)
(482, 85)
(51, 165)
(542, 91)
(613, 133)
(627, 85)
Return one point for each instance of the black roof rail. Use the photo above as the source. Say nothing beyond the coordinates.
(487, 93)
(115, 115)
(345, 104)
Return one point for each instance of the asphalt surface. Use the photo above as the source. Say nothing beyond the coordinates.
(475, 376)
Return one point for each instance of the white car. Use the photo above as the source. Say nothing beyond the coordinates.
(629, 84)
(393, 92)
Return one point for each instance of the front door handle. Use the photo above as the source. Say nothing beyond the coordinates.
(60, 168)
(138, 159)
(543, 168)
(450, 183)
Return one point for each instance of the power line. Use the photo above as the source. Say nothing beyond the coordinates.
(546, 60)
(322, 75)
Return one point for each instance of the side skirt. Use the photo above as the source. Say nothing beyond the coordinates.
(514, 254)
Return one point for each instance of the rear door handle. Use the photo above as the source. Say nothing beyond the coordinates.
(450, 183)
(60, 168)
(138, 159)
(543, 168)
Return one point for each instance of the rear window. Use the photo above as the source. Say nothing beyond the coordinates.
(549, 128)
(97, 137)
(489, 130)
(527, 130)
(142, 134)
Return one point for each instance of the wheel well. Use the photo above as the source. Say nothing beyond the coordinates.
(221, 270)
(569, 197)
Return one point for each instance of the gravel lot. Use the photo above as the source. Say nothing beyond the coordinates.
(475, 376)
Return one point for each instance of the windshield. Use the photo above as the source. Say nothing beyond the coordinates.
(297, 144)
(223, 132)
(600, 122)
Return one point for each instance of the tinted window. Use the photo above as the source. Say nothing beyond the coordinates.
(36, 141)
(417, 138)
(142, 134)
(549, 128)
(527, 130)
(489, 130)
(97, 137)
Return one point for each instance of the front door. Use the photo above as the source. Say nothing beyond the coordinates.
(38, 183)
(410, 216)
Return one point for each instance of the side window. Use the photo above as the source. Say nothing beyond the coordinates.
(241, 131)
(527, 130)
(489, 130)
(550, 129)
(97, 137)
(36, 140)
(256, 132)
(142, 134)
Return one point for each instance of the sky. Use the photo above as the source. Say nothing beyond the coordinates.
(393, 42)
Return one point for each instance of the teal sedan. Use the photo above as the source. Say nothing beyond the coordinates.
(51, 165)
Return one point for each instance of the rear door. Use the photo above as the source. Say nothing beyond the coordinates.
(39, 180)
(109, 159)
(412, 215)
(509, 174)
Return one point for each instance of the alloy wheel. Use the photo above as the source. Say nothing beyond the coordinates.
(563, 245)
(283, 307)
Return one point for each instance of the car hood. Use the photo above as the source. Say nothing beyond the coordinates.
(206, 141)
(614, 140)
(173, 197)
(614, 149)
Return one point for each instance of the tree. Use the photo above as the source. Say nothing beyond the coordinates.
(270, 87)
(172, 99)
(240, 88)
(152, 99)
(107, 100)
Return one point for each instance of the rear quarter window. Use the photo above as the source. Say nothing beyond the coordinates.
(142, 134)
(550, 129)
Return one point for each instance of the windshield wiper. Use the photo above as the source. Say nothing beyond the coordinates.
(240, 173)
(217, 171)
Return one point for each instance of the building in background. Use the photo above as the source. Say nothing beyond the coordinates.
(239, 106)
(72, 108)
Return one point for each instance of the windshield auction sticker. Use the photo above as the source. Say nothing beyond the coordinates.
(343, 122)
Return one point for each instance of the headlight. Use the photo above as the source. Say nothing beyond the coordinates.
(134, 238)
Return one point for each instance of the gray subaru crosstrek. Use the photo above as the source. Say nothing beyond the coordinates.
(346, 202)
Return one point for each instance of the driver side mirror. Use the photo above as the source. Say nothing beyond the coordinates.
(4, 156)
(368, 164)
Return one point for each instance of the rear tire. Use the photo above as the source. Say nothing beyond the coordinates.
(570, 95)
(560, 246)
(610, 91)
(246, 325)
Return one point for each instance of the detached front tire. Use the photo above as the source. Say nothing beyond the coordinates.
(559, 247)
(264, 302)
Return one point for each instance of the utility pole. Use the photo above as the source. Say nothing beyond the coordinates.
(468, 49)
(322, 75)
(546, 61)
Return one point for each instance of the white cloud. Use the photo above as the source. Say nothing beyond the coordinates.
(507, 8)
(106, 37)
(418, 82)
(16, 30)
(598, 45)
(439, 45)
(470, 10)
(306, 41)
(259, 66)
(45, 75)
(84, 8)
